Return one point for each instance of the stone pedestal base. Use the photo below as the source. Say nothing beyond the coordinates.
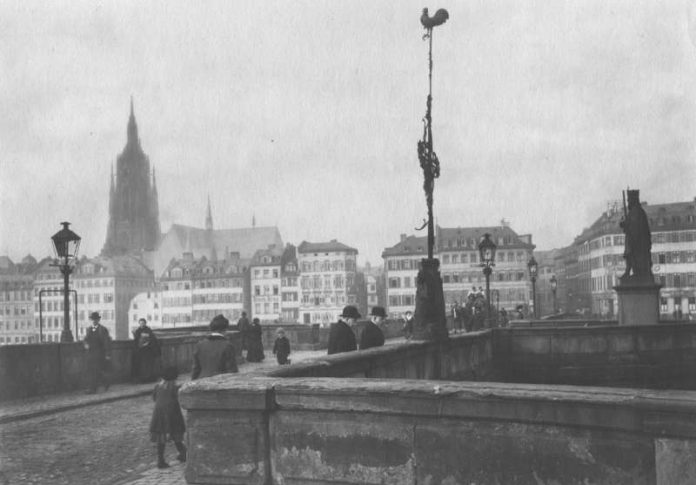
(639, 302)
(429, 319)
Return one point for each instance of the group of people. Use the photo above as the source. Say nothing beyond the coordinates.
(342, 338)
(252, 341)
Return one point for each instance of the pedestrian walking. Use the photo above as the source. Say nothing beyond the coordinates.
(97, 343)
(243, 328)
(255, 342)
(281, 347)
(341, 336)
(167, 422)
(372, 335)
(146, 353)
(408, 324)
(214, 354)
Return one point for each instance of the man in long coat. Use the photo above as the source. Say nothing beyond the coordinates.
(243, 326)
(372, 335)
(341, 337)
(214, 354)
(97, 343)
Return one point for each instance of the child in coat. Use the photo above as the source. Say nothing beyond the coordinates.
(167, 421)
(281, 347)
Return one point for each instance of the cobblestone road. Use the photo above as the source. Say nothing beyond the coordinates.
(99, 444)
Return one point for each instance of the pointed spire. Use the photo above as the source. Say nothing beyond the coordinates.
(209, 217)
(132, 126)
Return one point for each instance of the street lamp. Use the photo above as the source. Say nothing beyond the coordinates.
(554, 287)
(533, 267)
(65, 244)
(487, 255)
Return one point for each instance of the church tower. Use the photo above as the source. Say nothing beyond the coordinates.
(133, 207)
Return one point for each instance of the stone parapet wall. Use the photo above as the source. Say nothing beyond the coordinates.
(50, 368)
(263, 430)
(655, 356)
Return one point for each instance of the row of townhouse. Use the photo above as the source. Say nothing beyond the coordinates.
(460, 267)
(599, 249)
(307, 284)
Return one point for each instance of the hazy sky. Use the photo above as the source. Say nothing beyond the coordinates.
(307, 114)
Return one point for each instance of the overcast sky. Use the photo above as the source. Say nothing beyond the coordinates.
(306, 114)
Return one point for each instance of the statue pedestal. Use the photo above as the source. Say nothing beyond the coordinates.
(639, 301)
(429, 319)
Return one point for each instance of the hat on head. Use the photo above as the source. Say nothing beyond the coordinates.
(378, 311)
(350, 312)
(95, 316)
(219, 323)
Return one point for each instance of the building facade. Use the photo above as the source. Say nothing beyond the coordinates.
(17, 323)
(266, 284)
(327, 280)
(133, 225)
(401, 264)
(290, 286)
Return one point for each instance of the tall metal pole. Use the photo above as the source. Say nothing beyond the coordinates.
(534, 306)
(66, 335)
(487, 273)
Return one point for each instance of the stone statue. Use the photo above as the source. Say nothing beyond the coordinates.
(637, 242)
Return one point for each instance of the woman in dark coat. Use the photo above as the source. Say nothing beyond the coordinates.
(146, 354)
(167, 422)
(255, 342)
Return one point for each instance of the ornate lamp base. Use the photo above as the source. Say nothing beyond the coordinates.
(430, 320)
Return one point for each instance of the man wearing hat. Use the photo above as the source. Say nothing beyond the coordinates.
(214, 354)
(372, 335)
(97, 343)
(341, 337)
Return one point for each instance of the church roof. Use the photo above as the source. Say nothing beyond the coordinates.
(201, 242)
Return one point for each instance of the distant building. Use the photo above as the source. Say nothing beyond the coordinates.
(457, 250)
(106, 285)
(289, 286)
(48, 301)
(193, 291)
(134, 224)
(599, 250)
(401, 264)
(548, 267)
(327, 280)
(147, 305)
(265, 274)
(17, 325)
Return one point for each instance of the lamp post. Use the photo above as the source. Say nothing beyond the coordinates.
(554, 287)
(487, 255)
(533, 267)
(66, 244)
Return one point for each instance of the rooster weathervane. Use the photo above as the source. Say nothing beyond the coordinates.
(426, 155)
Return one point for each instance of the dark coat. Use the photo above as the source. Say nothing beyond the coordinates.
(146, 342)
(97, 342)
(255, 343)
(213, 355)
(147, 351)
(372, 336)
(341, 338)
(281, 349)
(167, 420)
(243, 328)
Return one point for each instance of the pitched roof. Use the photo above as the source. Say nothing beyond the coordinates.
(324, 247)
(662, 217)
(408, 245)
(469, 237)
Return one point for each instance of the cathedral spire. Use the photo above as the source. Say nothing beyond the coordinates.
(209, 217)
(132, 126)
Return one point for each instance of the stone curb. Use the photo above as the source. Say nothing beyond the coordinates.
(20, 416)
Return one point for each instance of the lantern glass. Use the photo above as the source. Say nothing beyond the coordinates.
(554, 282)
(65, 242)
(532, 265)
(487, 249)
